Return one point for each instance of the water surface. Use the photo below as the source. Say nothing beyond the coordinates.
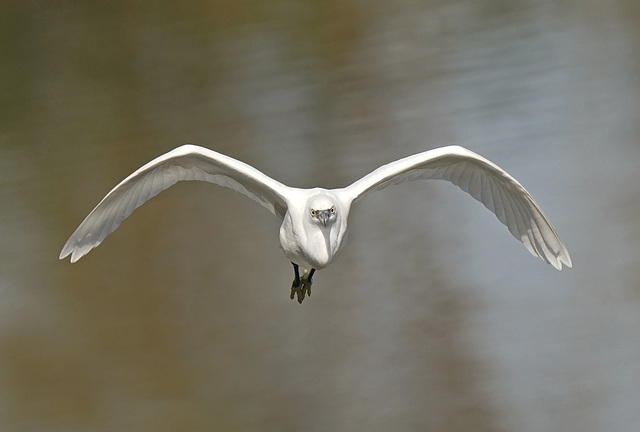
(434, 318)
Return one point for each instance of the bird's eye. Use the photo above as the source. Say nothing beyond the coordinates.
(313, 212)
(332, 210)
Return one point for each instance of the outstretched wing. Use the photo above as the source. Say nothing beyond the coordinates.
(483, 180)
(187, 162)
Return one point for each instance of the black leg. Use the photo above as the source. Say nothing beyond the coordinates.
(310, 277)
(296, 286)
(296, 272)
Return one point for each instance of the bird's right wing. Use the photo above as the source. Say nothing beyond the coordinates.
(188, 162)
(484, 181)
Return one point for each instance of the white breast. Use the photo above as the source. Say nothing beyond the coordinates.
(309, 245)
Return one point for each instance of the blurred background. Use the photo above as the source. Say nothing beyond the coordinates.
(434, 318)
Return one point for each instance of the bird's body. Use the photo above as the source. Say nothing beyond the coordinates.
(314, 245)
(314, 221)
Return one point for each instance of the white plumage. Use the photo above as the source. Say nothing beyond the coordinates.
(314, 221)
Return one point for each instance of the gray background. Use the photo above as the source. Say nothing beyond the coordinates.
(434, 318)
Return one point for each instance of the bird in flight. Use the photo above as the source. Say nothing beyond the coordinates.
(314, 221)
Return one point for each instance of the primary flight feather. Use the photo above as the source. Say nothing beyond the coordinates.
(314, 221)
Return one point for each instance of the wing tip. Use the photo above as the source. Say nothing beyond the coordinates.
(566, 259)
(558, 260)
(73, 251)
(67, 249)
(76, 254)
(76, 250)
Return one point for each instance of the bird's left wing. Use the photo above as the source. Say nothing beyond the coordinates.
(187, 162)
(483, 180)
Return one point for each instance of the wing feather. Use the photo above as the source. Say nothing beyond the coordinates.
(484, 181)
(184, 163)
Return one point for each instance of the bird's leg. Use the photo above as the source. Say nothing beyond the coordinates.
(296, 286)
(311, 273)
(301, 285)
(307, 281)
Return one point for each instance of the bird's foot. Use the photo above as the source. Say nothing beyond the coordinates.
(306, 285)
(301, 287)
(298, 289)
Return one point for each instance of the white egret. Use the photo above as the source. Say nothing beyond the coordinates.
(314, 221)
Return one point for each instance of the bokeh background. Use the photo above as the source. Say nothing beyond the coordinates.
(434, 318)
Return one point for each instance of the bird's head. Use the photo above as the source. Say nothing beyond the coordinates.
(322, 210)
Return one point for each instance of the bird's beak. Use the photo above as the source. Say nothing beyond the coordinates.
(324, 217)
